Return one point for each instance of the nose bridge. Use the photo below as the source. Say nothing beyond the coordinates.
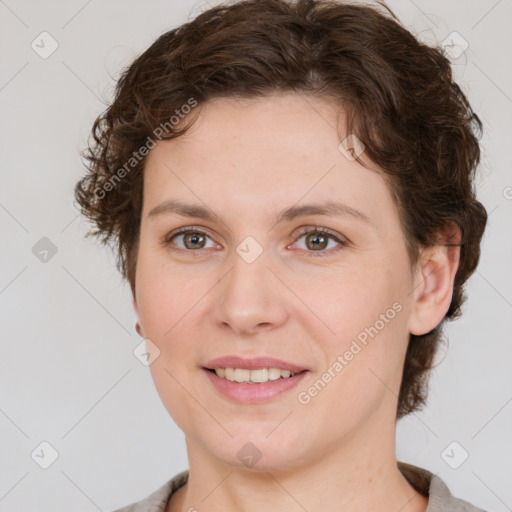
(249, 296)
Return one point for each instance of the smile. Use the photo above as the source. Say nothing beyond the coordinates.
(258, 375)
(246, 390)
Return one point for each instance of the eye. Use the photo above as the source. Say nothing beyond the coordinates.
(191, 240)
(317, 241)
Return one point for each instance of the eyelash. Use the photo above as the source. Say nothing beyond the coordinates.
(304, 231)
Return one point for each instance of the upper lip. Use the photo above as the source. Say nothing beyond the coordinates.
(252, 364)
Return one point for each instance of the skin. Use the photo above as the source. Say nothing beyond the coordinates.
(247, 161)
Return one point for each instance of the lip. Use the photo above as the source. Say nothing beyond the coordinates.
(256, 392)
(252, 363)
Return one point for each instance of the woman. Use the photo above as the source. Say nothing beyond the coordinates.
(289, 186)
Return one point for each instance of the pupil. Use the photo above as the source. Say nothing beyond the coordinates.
(316, 244)
(193, 238)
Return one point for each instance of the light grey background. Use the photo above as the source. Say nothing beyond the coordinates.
(68, 374)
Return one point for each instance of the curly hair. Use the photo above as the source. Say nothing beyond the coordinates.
(398, 95)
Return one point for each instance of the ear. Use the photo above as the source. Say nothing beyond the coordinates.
(136, 309)
(433, 281)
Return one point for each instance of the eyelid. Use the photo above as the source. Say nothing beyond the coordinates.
(320, 230)
(185, 229)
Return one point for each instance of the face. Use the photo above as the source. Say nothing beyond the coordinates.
(251, 279)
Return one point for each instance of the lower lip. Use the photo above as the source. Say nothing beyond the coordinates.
(255, 392)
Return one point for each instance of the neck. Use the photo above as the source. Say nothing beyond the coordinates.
(346, 477)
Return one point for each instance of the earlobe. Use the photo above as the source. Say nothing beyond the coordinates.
(434, 283)
(137, 324)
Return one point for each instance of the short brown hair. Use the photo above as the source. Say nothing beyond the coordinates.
(398, 94)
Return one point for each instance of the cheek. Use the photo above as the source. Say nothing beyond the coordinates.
(162, 295)
(362, 372)
(366, 312)
(165, 300)
(352, 299)
(168, 302)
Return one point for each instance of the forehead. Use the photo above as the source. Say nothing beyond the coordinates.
(262, 153)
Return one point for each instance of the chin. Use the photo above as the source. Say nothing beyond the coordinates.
(258, 452)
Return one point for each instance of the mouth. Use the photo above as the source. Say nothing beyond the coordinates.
(252, 380)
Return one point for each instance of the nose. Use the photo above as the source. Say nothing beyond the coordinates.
(250, 298)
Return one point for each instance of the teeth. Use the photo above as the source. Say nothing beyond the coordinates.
(250, 376)
(259, 375)
(242, 375)
(274, 373)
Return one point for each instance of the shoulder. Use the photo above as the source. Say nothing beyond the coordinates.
(157, 500)
(440, 499)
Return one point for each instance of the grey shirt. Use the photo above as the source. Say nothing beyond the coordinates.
(440, 498)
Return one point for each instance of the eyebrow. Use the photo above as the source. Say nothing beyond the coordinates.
(172, 206)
